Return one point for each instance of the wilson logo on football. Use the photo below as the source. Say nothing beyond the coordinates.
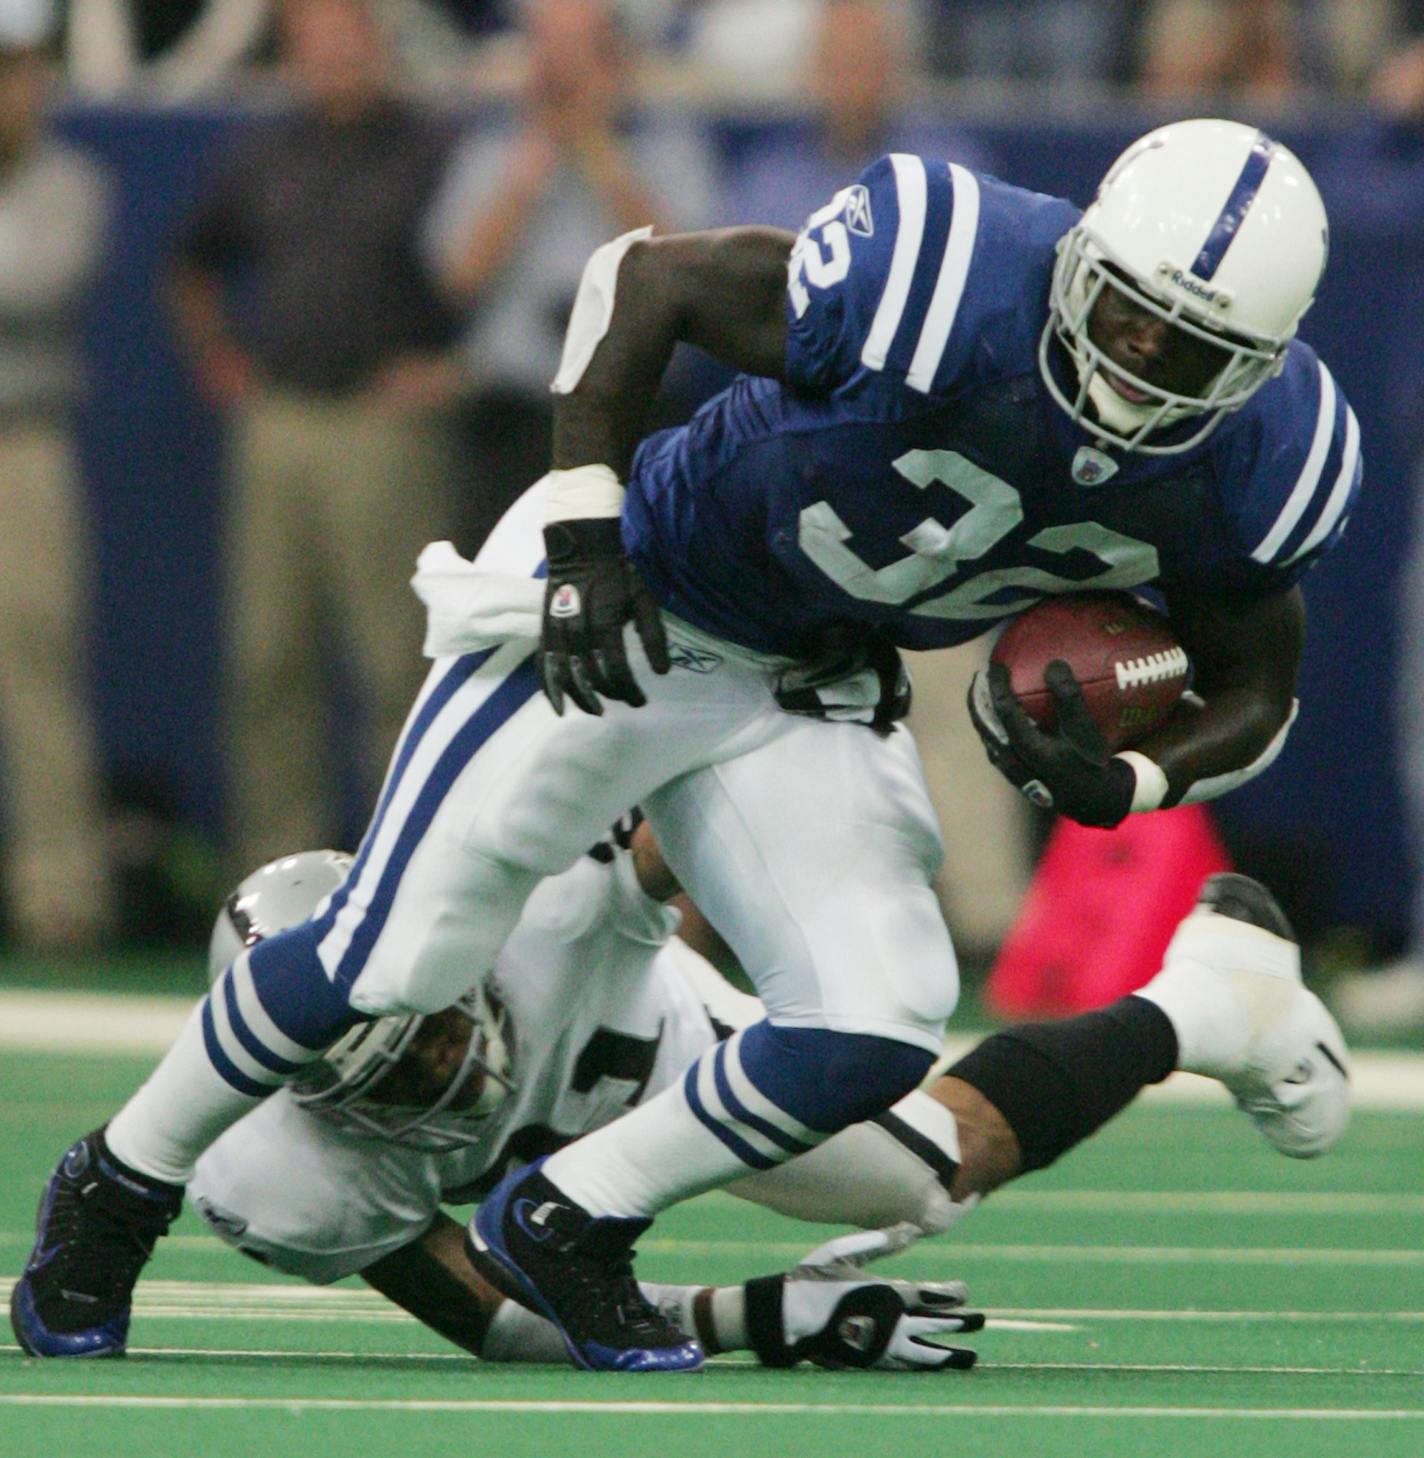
(566, 603)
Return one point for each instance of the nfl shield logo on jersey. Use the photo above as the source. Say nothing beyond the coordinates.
(1092, 467)
(566, 602)
(857, 211)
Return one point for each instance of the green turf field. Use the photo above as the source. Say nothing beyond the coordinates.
(1173, 1288)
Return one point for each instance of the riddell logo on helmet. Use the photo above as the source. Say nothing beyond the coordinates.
(1186, 281)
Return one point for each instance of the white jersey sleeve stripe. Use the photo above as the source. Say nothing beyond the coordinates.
(1309, 478)
(949, 287)
(1339, 492)
(910, 194)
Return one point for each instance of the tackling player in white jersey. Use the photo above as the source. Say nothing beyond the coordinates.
(594, 1005)
(957, 397)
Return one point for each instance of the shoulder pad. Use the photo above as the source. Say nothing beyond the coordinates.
(1296, 457)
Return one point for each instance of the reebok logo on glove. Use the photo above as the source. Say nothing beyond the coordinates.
(565, 602)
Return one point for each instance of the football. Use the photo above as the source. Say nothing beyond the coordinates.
(1122, 651)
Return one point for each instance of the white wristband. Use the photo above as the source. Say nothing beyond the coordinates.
(583, 493)
(1150, 788)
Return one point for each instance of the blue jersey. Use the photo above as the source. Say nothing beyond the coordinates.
(913, 474)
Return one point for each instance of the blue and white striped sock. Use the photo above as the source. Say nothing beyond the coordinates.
(273, 1011)
(753, 1102)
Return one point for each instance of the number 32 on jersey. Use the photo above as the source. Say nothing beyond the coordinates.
(821, 259)
(939, 553)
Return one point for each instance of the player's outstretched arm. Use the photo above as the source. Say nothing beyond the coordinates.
(640, 296)
(826, 1309)
(432, 1279)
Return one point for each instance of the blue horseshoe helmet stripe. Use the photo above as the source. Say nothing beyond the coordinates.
(1229, 220)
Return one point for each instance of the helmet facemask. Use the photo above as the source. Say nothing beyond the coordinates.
(1083, 271)
(365, 1081)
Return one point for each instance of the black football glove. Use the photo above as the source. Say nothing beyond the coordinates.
(592, 592)
(867, 683)
(1068, 769)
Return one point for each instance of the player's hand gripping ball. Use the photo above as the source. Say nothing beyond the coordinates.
(1122, 652)
(1069, 683)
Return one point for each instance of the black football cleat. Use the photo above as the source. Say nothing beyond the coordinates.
(550, 1255)
(96, 1227)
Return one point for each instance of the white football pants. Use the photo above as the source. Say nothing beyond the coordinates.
(809, 844)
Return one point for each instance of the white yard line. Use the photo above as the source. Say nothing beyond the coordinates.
(1215, 1202)
(1067, 1255)
(227, 1301)
(119, 1023)
(89, 1023)
(1196, 1314)
(436, 1359)
(836, 1411)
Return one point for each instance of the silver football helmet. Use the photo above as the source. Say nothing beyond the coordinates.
(1211, 226)
(428, 1081)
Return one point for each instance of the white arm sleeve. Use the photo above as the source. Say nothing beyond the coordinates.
(593, 309)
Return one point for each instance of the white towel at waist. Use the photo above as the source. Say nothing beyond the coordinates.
(468, 608)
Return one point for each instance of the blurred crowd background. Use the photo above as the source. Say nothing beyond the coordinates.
(283, 282)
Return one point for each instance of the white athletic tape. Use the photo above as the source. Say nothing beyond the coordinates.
(593, 309)
(583, 493)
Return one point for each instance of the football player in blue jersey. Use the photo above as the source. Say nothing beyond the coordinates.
(956, 398)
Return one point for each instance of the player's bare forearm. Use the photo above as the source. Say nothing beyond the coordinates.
(433, 1279)
(1245, 658)
(722, 291)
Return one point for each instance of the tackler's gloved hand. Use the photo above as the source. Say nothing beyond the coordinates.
(1069, 768)
(827, 1310)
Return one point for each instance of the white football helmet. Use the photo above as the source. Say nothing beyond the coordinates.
(1216, 229)
(345, 1083)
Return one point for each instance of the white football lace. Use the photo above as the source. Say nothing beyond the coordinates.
(1154, 668)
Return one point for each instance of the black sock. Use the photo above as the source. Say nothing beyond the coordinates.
(1055, 1083)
